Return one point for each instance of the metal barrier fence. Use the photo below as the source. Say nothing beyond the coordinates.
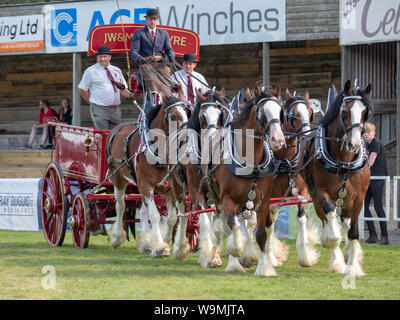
(387, 206)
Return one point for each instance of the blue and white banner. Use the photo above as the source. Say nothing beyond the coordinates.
(19, 204)
(67, 25)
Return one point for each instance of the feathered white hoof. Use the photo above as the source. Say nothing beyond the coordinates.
(209, 257)
(162, 250)
(265, 268)
(307, 254)
(235, 247)
(144, 242)
(249, 256)
(337, 264)
(234, 265)
(354, 270)
(117, 237)
(181, 251)
(355, 259)
(331, 236)
(281, 251)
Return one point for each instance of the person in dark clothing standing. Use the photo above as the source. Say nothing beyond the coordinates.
(377, 162)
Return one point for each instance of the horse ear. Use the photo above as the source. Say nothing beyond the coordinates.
(277, 91)
(368, 89)
(257, 89)
(307, 95)
(201, 97)
(288, 94)
(164, 97)
(222, 93)
(347, 88)
(181, 95)
(247, 94)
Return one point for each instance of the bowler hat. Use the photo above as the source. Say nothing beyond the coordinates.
(189, 57)
(152, 13)
(103, 50)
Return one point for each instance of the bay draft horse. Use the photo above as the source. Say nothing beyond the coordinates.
(208, 116)
(299, 114)
(126, 145)
(262, 116)
(334, 166)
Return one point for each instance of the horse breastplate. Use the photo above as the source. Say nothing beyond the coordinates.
(288, 166)
(152, 156)
(267, 167)
(330, 164)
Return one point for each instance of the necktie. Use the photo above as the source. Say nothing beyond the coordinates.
(190, 89)
(115, 84)
(152, 34)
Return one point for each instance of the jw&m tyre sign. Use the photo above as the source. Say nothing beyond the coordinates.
(118, 38)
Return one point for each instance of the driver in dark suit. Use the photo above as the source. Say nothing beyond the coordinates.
(148, 49)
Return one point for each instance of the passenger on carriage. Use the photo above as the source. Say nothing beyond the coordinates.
(147, 50)
(190, 80)
(101, 86)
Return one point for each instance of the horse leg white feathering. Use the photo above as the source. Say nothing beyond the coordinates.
(279, 249)
(158, 245)
(144, 230)
(181, 244)
(331, 239)
(218, 234)
(346, 227)
(264, 267)
(169, 223)
(250, 254)
(353, 267)
(235, 242)
(117, 232)
(234, 265)
(307, 238)
(331, 236)
(208, 256)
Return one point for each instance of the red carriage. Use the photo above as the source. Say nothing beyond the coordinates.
(76, 179)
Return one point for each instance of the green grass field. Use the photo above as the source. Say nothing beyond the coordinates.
(99, 272)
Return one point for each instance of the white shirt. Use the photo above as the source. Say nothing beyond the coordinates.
(181, 77)
(102, 92)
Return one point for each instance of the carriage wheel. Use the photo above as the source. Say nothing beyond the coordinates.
(80, 221)
(54, 205)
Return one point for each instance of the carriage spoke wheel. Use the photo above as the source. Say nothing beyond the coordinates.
(54, 205)
(80, 221)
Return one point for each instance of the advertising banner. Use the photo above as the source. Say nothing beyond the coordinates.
(67, 25)
(367, 21)
(21, 33)
(18, 204)
(118, 38)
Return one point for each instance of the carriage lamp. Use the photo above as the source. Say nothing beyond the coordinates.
(87, 143)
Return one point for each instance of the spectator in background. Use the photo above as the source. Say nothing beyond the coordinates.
(46, 113)
(378, 167)
(65, 113)
(64, 116)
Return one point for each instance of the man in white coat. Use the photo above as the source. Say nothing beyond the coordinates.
(190, 80)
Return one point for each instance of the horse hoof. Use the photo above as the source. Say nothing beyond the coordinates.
(247, 263)
(214, 263)
(161, 253)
